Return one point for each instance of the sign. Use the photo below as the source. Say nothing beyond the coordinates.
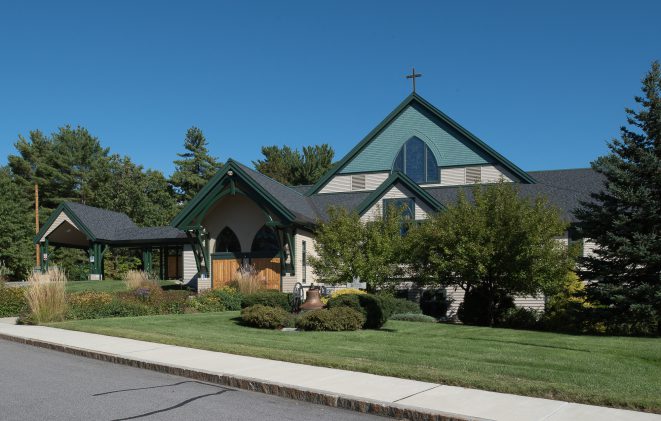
(91, 259)
(45, 256)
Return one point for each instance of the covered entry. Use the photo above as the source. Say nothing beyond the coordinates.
(95, 230)
(264, 258)
(240, 220)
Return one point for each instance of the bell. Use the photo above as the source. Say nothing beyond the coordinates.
(313, 300)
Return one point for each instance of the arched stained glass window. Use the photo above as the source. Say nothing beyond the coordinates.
(265, 241)
(227, 242)
(416, 160)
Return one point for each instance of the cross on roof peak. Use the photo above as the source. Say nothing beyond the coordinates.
(413, 76)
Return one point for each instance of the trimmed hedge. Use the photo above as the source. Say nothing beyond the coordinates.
(413, 317)
(376, 310)
(12, 301)
(268, 298)
(266, 317)
(334, 319)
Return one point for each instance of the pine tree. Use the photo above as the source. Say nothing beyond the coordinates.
(195, 169)
(291, 167)
(625, 220)
(16, 228)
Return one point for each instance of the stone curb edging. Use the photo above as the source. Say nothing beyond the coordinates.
(380, 408)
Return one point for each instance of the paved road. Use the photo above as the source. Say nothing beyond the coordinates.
(38, 384)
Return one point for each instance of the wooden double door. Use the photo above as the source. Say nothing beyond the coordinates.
(224, 269)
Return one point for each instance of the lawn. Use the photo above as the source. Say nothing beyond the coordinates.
(612, 371)
(106, 286)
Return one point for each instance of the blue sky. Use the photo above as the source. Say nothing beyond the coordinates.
(544, 83)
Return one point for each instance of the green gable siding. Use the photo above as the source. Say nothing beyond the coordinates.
(450, 148)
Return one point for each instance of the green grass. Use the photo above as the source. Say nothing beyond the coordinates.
(105, 286)
(613, 371)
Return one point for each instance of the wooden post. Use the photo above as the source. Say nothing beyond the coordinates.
(36, 221)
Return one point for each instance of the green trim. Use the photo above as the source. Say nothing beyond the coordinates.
(219, 178)
(63, 207)
(398, 177)
(414, 97)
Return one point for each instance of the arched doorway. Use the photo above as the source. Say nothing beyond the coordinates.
(227, 242)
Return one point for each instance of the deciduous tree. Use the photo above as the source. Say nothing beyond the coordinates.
(497, 243)
(348, 248)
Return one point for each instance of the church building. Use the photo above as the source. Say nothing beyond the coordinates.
(417, 157)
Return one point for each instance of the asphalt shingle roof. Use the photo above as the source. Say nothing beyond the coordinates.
(117, 227)
(291, 198)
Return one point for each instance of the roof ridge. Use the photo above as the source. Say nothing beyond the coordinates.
(266, 176)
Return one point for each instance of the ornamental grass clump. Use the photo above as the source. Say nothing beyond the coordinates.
(46, 296)
(247, 280)
(137, 279)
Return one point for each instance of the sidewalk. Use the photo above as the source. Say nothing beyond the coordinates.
(341, 388)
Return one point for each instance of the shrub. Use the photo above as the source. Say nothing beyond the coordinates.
(12, 301)
(376, 310)
(267, 298)
(161, 302)
(475, 308)
(247, 280)
(137, 279)
(46, 297)
(521, 318)
(434, 302)
(346, 300)
(266, 317)
(400, 305)
(334, 319)
(221, 299)
(413, 317)
(347, 291)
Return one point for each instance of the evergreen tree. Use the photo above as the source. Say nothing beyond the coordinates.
(625, 219)
(291, 167)
(195, 168)
(17, 252)
(61, 164)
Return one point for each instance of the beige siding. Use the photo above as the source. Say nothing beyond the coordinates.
(339, 183)
(453, 176)
(395, 192)
(493, 174)
(288, 281)
(190, 269)
(457, 176)
(530, 302)
(62, 217)
(457, 295)
(342, 183)
(589, 247)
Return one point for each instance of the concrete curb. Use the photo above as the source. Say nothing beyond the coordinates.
(386, 409)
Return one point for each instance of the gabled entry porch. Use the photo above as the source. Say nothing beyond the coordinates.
(236, 221)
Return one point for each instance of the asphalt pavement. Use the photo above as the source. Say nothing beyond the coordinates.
(40, 384)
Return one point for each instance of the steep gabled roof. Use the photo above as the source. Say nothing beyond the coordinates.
(287, 202)
(409, 100)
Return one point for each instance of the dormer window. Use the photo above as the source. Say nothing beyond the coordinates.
(417, 161)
